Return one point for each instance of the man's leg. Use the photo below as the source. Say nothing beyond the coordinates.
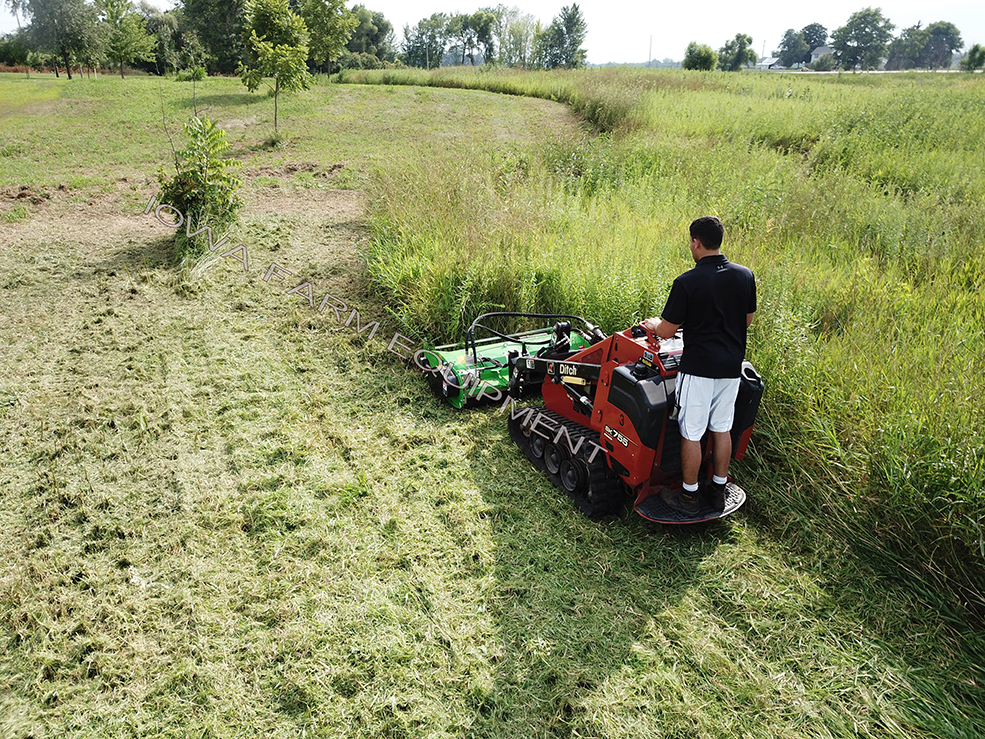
(691, 460)
(721, 452)
(693, 397)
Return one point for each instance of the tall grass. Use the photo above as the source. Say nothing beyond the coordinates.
(858, 200)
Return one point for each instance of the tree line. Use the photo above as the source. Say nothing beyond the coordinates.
(865, 42)
(213, 36)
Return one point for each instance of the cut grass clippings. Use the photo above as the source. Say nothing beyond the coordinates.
(224, 514)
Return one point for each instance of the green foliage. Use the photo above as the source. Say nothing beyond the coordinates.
(852, 197)
(425, 44)
(203, 188)
(974, 59)
(736, 54)
(700, 57)
(330, 25)
(932, 47)
(861, 42)
(128, 38)
(560, 43)
(372, 34)
(195, 74)
(825, 63)
(218, 26)
(815, 35)
(67, 29)
(278, 42)
(467, 34)
(793, 48)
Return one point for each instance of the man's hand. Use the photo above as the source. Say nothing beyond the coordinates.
(661, 328)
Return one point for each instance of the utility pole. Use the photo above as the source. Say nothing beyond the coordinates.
(649, 54)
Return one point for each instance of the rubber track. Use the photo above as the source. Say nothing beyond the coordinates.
(605, 492)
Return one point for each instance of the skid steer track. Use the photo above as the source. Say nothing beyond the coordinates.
(571, 457)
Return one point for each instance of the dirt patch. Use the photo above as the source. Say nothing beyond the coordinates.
(292, 168)
(28, 194)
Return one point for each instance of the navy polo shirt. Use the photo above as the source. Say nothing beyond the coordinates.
(710, 303)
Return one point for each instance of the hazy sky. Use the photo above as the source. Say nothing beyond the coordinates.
(620, 31)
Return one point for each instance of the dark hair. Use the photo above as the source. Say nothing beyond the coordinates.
(709, 231)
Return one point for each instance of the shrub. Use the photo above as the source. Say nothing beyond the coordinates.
(825, 64)
(203, 189)
(700, 57)
(195, 74)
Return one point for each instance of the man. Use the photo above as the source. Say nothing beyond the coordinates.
(714, 302)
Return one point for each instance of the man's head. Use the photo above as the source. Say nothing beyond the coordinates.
(706, 236)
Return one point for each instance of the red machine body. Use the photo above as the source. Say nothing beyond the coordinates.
(622, 389)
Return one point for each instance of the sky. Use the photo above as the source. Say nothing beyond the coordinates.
(620, 31)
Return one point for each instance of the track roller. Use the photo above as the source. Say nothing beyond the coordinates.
(573, 461)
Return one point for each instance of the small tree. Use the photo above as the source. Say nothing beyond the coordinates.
(700, 57)
(278, 41)
(203, 189)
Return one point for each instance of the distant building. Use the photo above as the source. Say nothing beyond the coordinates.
(820, 51)
(770, 62)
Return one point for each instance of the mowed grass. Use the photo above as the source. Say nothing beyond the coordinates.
(224, 514)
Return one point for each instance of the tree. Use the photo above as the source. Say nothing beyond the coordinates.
(560, 44)
(128, 37)
(425, 44)
(68, 29)
(218, 25)
(816, 36)
(372, 34)
(203, 189)
(793, 48)
(736, 53)
(514, 31)
(471, 32)
(861, 43)
(907, 50)
(944, 40)
(330, 25)
(278, 43)
(700, 57)
(974, 59)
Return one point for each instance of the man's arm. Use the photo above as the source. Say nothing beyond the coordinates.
(749, 319)
(663, 328)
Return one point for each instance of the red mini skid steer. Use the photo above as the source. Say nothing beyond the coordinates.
(608, 425)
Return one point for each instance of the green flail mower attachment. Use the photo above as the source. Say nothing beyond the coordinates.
(478, 371)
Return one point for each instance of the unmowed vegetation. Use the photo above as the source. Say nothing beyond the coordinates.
(858, 200)
(225, 514)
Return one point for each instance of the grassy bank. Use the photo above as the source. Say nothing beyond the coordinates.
(858, 200)
(226, 515)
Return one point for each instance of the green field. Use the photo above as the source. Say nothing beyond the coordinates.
(224, 514)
